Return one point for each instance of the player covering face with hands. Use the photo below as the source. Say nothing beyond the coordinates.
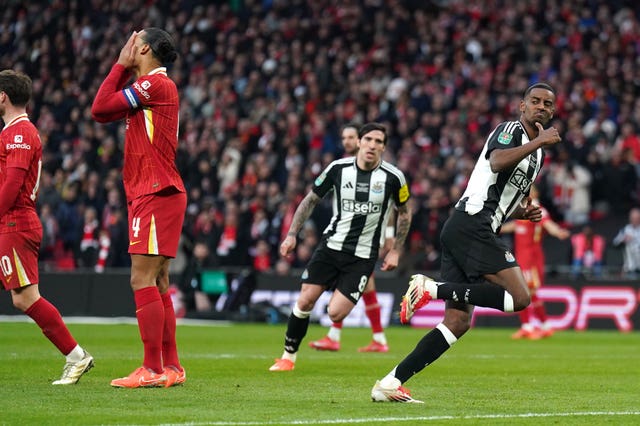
(156, 197)
(477, 267)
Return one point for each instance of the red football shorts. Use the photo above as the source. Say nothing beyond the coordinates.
(19, 258)
(155, 223)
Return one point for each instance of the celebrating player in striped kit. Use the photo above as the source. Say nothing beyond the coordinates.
(477, 267)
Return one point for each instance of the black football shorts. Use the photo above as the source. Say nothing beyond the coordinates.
(470, 249)
(339, 271)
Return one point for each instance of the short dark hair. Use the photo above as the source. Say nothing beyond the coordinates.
(539, 85)
(17, 86)
(350, 125)
(370, 127)
(161, 44)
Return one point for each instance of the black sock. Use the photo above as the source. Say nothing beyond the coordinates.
(428, 349)
(296, 330)
(485, 294)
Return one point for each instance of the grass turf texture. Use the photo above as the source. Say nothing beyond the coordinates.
(486, 378)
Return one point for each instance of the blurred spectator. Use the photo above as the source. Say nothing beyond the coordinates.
(190, 281)
(621, 179)
(69, 220)
(49, 233)
(104, 244)
(229, 170)
(261, 256)
(233, 245)
(629, 237)
(89, 242)
(118, 232)
(572, 193)
(628, 139)
(587, 253)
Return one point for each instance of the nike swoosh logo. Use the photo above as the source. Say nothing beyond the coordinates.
(143, 382)
(133, 243)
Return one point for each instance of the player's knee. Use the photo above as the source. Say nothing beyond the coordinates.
(139, 281)
(20, 304)
(23, 301)
(305, 304)
(521, 301)
(335, 315)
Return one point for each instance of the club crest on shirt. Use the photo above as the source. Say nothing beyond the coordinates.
(377, 188)
(509, 257)
(504, 138)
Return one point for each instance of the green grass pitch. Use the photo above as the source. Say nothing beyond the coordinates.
(573, 378)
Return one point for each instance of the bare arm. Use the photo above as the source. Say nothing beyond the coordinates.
(505, 159)
(403, 222)
(304, 210)
(556, 230)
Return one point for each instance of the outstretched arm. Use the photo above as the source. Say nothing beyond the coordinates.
(556, 230)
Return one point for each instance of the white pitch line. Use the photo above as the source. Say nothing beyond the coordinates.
(413, 419)
(118, 320)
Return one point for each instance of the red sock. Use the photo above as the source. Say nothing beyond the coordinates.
(337, 325)
(538, 308)
(150, 314)
(525, 315)
(372, 309)
(50, 322)
(169, 348)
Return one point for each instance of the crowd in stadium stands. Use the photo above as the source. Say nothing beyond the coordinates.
(266, 85)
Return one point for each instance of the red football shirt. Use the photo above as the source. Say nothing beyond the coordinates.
(150, 106)
(21, 148)
(528, 241)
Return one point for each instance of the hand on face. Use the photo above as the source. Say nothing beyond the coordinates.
(128, 52)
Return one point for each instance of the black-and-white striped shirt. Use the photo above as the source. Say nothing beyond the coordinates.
(362, 203)
(498, 194)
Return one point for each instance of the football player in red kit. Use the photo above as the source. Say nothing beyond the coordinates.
(20, 228)
(530, 255)
(156, 197)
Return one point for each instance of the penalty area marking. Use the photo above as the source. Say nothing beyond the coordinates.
(413, 419)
